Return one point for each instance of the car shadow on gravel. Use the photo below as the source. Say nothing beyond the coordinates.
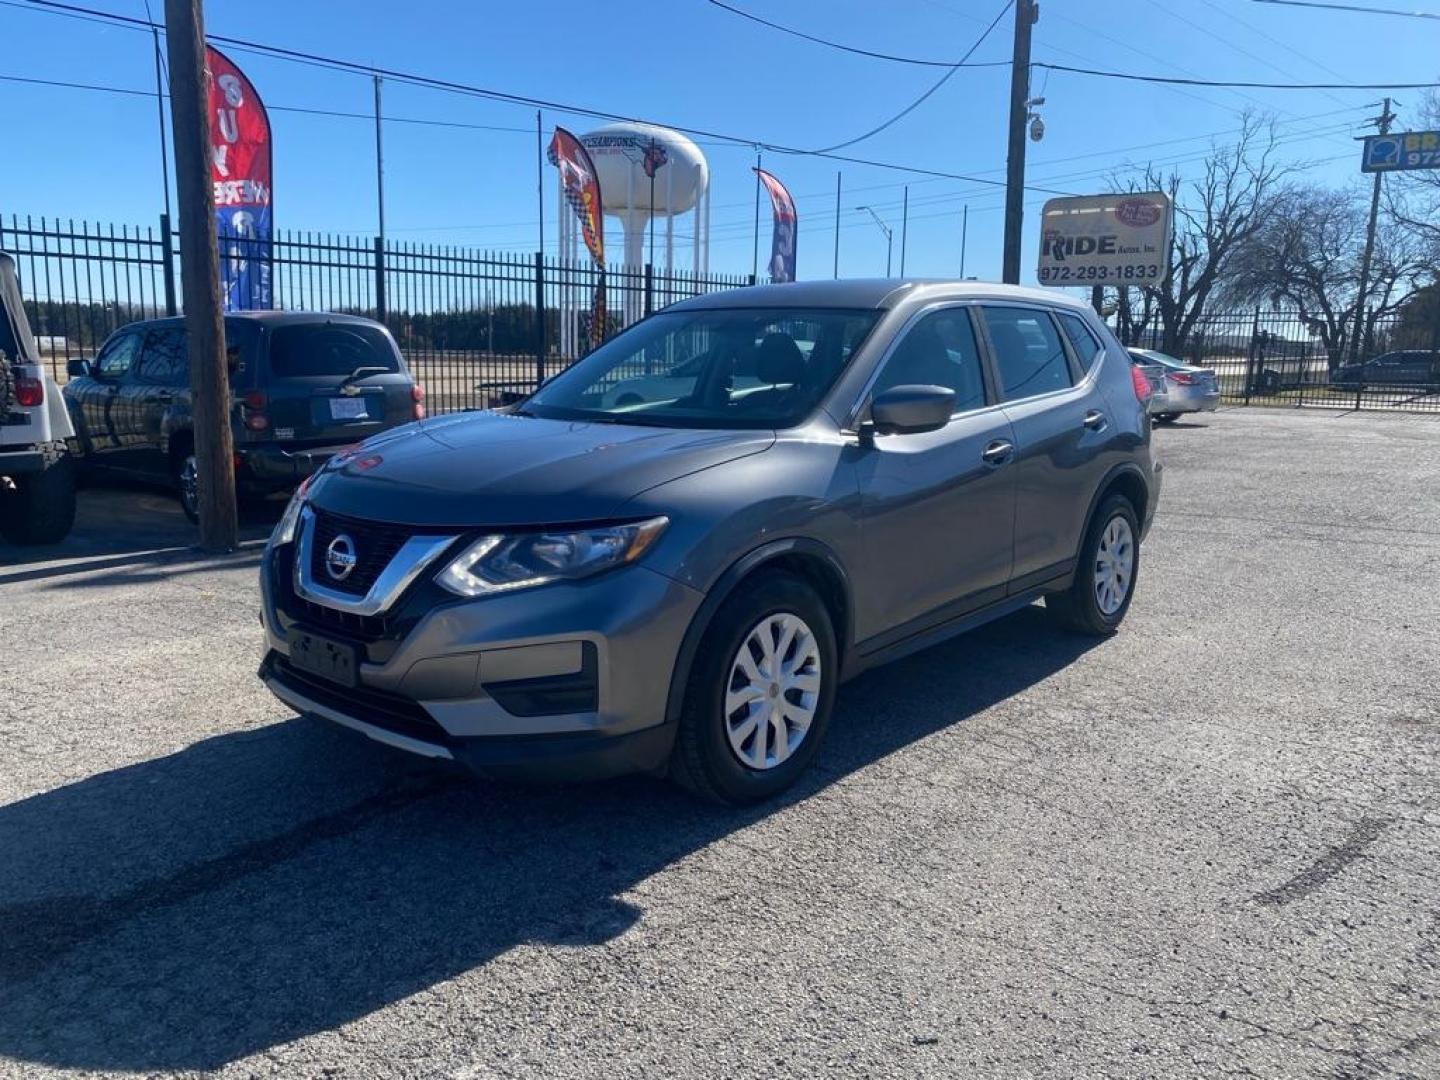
(261, 886)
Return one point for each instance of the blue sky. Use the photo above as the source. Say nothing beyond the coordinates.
(83, 154)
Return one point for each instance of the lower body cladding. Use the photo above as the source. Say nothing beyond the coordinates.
(563, 681)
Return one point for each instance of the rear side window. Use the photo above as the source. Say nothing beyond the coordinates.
(1087, 347)
(1028, 352)
(165, 360)
(330, 350)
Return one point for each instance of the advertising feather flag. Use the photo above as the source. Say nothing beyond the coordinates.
(782, 243)
(240, 170)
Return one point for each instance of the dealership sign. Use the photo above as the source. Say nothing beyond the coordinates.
(1402, 151)
(1121, 239)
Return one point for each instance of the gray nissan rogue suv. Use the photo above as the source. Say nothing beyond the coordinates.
(803, 481)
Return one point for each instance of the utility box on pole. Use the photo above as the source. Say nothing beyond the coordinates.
(200, 276)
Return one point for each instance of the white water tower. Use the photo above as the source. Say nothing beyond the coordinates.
(646, 172)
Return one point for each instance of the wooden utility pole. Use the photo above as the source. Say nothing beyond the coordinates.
(200, 275)
(1382, 123)
(1026, 15)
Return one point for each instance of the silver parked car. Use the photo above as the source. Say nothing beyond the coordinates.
(1183, 387)
(679, 586)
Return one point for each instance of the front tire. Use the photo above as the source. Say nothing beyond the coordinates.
(760, 695)
(1096, 603)
(187, 485)
(41, 509)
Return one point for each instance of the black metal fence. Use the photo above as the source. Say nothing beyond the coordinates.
(1278, 358)
(475, 326)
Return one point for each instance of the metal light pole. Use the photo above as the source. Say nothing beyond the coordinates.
(904, 228)
(889, 235)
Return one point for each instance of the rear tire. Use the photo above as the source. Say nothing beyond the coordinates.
(186, 476)
(786, 701)
(41, 509)
(1096, 603)
(1166, 417)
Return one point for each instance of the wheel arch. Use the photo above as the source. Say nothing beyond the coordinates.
(1128, 480)
(807, 559)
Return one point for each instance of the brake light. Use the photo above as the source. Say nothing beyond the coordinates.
(1141, 385)
(417, 402)
(254, 408)
(1181, 378)
(29, 391)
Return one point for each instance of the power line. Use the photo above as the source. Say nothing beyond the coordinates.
(859, 52)
(926, 95)
(430, 82)
(1131, 76)
(1352, 7)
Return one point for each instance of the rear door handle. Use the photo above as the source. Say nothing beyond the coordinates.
(1095, 420)
(998, 452)
(165, 396)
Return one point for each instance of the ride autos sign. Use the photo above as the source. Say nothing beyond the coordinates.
(240, 174)
(1121, 239)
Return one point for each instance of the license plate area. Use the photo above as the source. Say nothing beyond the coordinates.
(349, 408)
(326, 657)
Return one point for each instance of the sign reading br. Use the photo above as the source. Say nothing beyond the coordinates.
(1399, 152)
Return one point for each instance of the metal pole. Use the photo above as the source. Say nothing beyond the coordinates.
(904, 228)
(652, 207)
(160, 112)
(540, 177)
(200, 277)
(964, 236)
(889, 246)
(1383, 122)
(1026, 13)
(837, 224)
(379, 164)
(755, 249)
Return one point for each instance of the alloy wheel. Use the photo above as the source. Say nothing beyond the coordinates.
(1114, 565)
(773, 690)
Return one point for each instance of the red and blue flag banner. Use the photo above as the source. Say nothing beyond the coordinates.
(240, 174)
(782, 243)
(581, 184)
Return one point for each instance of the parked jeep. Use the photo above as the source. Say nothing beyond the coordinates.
(37, 475)
(304, 385)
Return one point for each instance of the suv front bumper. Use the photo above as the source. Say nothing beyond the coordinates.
(566, 680)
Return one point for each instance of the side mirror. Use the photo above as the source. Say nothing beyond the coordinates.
(77, 368)
(908, 410)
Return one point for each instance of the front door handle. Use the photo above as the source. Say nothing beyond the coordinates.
(998, 452)
(1095, 420)
(165, 397)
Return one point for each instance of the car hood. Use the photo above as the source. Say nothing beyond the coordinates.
(481, 469)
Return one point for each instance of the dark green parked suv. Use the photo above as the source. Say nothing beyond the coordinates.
(304, 385)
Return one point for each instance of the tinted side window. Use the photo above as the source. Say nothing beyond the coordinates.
(118, 356)
(164, 360)
(1028, 352)
(329, 349)
(939, 350)
(1087, 348)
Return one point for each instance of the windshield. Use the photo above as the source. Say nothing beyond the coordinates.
(329, 349)
(734, 368)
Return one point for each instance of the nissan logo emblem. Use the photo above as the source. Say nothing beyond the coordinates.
(340, 557)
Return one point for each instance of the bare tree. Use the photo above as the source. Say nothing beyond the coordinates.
(1216, 215)
(1306, 257)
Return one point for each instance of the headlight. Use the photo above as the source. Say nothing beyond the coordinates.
(498, 563)
(285, 531)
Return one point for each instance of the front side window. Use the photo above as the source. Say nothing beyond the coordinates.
(740, 368)
(118, 356)
(939, 350)
(1028, 353)
(1087, 348)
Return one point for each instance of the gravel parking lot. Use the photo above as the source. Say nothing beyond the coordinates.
(1206, 847)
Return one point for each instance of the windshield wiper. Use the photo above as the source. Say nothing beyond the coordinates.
(363, 373)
